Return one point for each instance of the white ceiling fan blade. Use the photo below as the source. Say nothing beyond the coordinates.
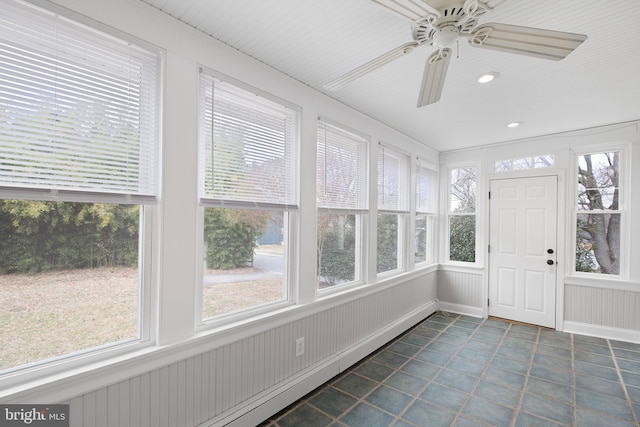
(546, 44)
(413, 10)
(435, 71)
(370, 66)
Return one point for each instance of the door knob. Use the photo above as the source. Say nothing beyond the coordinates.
(550, 261)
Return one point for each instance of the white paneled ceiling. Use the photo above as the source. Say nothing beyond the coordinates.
(316, 41)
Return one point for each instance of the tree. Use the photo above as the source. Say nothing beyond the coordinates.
(462, 225)
(231, 235)
(598, 231)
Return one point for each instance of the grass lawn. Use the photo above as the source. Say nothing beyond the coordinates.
(57, 313)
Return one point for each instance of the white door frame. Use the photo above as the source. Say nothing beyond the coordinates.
(562, 234)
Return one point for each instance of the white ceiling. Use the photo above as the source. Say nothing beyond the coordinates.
(316, 41)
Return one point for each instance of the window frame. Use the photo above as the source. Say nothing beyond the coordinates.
(624, 193)
(360, 210)
(430, 215)
(449, 214)
(290, 211)
(402, 208)
(148, 233)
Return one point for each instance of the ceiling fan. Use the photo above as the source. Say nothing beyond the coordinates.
(440, 23)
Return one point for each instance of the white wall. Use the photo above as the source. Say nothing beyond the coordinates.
(189, 374)
(597, 305)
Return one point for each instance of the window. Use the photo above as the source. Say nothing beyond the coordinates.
(598, 212)
(341, 195)
(462, 214)
(522, 163)
(426, 213)
(393, 207)
(78, 180)
(248, 191)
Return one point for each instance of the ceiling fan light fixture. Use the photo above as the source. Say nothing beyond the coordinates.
(488, 77)
(513, 124)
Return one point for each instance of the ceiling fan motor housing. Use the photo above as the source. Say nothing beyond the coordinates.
(428, 30)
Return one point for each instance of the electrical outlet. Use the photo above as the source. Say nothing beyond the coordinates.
(299, 346)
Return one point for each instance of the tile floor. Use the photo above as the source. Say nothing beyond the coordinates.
(463, 371)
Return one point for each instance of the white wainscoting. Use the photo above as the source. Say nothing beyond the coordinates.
(607, 312)
(246, 381)
(461, 291)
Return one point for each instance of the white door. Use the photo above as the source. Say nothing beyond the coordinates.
(522, 249)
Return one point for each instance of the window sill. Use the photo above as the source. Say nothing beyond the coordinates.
(616, 283)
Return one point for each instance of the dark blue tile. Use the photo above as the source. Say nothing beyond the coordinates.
(443, 319)
(634, 393)
(452, 339)
(487, 411)
(426, 332)
(561, 353)
(467, 422)
(555, 341)
(421, 369)
(625, 345)
(466, 366)
(500, 376)
(526, 420)
(610, 388)
(496, 324)
(415, 339)
(509, 364)
(391, 359)
(629, 365)
(455, 379)
(597, 359)
(478, 344)
(492, 330)
(518, 343)
(374, 371)
(304, 415)
(461, 332)
(585, 417)
(627, 354)
(524, 336)
(564, 377)
(469, 326)
(592, 348)
(365, 415)
(547, 408)
(487, 336)
(599, 402)
(406, 383)
(586, 339)
(400, 423)
(443, 347)
(499, 393)
(444, 396)
(525, 328)
(474, 355)
(631, 378)
(585, 368)
(470, 319)
(549, 389)
(389, 399)
(355, 385)
(552, 363)
(404, 349)
(332, 401)
(515, 353)
(432, 356)
(425, 414)
(434, 325)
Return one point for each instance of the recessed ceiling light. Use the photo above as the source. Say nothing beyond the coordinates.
(487, 77)
(513, 124)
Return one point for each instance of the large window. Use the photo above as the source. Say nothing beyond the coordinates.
(341, 193)
(78, 180)
(248, 191)
(599, 214)
(426, 213)
(393, 208)
(462, 214)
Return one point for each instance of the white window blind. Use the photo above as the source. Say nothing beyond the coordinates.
(248, 146)
(426, 189)
(341, 168)
(393, 180)
(78, 107)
